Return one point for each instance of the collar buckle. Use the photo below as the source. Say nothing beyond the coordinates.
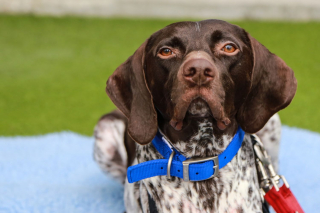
(186, 164)
(169, 165)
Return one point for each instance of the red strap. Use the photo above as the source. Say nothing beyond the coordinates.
(283, 201)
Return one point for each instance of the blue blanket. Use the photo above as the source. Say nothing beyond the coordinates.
(56, 173)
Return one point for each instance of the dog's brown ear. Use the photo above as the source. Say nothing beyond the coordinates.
(273, 87)
(128, 90)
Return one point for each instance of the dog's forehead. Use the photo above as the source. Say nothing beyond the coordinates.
(191, 32)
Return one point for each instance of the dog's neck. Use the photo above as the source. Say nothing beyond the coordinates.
(199, 137)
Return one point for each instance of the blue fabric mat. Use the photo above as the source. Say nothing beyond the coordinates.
(56, 173)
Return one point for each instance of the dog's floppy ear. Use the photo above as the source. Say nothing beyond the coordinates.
(273, 87)
(128, 90)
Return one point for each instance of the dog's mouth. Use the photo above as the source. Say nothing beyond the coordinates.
(199, 107)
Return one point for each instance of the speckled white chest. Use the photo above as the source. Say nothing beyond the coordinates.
(235, 189)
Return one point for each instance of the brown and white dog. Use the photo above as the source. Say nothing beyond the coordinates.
(196, 82)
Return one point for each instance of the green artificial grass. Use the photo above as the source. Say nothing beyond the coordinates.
(53, 70)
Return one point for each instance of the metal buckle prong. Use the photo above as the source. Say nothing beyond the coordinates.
(186, 164)
(169, 165)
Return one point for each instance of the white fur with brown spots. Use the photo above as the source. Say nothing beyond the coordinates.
(235, 189)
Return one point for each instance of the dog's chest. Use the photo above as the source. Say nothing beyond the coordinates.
(235, 189)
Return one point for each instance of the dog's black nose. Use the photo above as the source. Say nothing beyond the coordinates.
(198, 71)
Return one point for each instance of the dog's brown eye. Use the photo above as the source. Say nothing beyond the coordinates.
(229, 48)
(166, 52)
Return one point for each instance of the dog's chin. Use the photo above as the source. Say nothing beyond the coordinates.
(199, 108)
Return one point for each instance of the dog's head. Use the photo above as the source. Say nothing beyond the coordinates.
(199, 69)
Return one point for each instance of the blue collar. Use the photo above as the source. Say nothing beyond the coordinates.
(193, 169)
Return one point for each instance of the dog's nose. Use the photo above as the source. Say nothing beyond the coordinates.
(198, 71)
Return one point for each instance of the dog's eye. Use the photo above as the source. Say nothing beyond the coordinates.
(166, 52)
(229, 48)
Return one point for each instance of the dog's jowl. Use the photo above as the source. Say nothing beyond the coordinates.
(193, 90)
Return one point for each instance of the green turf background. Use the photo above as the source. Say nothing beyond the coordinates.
(53, 70)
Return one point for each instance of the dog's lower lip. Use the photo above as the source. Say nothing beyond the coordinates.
(199, 107)
(177, 125)
(222, 125)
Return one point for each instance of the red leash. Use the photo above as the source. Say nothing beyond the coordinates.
(281, 199)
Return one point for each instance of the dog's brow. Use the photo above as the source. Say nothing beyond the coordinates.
(198, 26)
